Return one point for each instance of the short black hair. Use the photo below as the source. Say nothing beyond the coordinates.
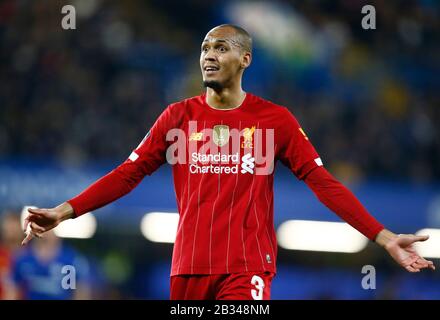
(244, 39)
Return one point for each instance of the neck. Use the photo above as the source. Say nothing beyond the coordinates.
(228, 98)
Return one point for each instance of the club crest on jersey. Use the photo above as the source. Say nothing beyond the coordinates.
(220, 135)
(248, 138)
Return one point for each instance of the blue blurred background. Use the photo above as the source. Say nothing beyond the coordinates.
(74, 103)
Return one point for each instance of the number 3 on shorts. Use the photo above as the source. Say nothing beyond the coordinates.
(259, 285)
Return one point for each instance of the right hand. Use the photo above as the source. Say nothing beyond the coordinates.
(38, 221)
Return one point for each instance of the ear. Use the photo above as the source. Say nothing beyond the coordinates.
(246, 60)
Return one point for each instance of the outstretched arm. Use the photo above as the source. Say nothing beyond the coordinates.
(106, 190)
(342, 201)
(144, 160)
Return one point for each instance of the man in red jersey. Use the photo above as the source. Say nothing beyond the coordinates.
(223, 146)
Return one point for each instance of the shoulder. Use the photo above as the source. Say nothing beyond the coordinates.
(22, 256)
(186, 103)
(263, 102)
(177, 112)
(282, 113)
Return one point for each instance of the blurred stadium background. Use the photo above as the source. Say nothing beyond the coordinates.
(73, 104)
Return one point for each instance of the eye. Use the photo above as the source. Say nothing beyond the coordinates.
(222, 49)
(205, 49)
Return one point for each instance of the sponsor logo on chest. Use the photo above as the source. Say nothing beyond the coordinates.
(221, 149)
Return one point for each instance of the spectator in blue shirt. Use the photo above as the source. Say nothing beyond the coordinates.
(50, 270)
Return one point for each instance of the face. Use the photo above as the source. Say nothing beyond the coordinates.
(222, 62)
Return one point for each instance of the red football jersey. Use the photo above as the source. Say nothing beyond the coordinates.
(223, 163)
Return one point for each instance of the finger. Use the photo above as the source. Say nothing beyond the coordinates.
(26, 223)
(429, 263)
(34, 217)
(411, 269)
(37, 211)
(37, 228)
(28, 238)
(423, 260)
(419, 266)
(37, 234)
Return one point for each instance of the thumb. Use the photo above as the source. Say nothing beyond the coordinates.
(409, 239)
(37, 211)
(421, 238)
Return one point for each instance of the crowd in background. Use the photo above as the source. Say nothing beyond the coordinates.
(92, 93)
(368, 99)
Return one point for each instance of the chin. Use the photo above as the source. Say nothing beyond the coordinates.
(213, 84)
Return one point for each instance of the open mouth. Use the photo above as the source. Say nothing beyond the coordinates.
(211, 69)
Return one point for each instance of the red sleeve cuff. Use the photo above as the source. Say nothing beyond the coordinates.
(76, 208)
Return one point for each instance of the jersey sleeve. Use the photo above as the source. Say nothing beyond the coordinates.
(144, 160)
(150, 154)
(295, 149)
(335, 196)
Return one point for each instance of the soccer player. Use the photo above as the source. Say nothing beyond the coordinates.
(223, 146)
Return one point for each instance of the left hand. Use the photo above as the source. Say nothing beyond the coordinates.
(401, 249)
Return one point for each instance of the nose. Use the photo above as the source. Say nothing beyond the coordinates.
(210, 56)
